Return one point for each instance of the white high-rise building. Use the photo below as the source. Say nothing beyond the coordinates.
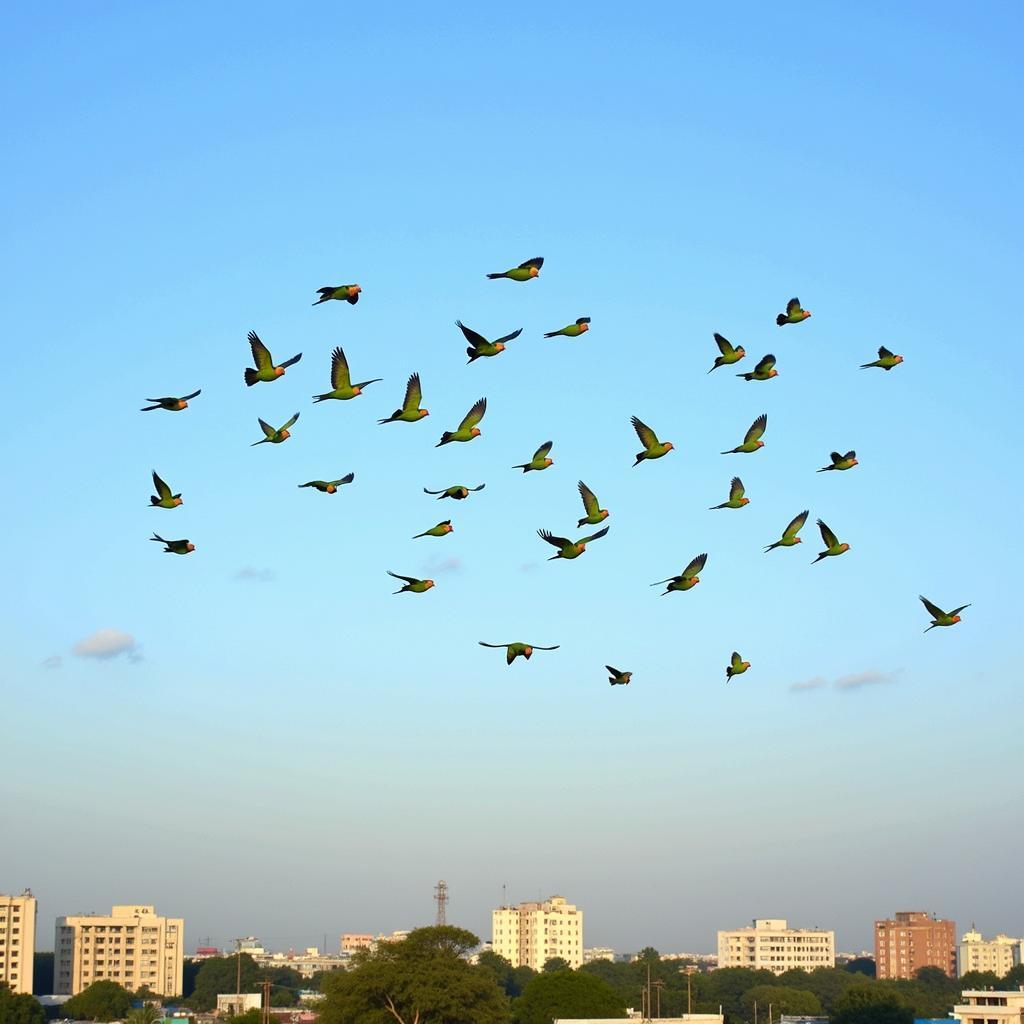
(533, 933)
(771, 946)
(999, 955)
(17, 941)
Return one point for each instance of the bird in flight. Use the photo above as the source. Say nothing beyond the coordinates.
(480, 347)
(524, 272)
(886, 360)
(618, 678)
(457, 492)
(412, 585)
(539, 461)
(653, 448)
(736, 667)
(794, 314)
(163, 497)
(687, 579)
(595, 514)
(789, 534)
(941, 618)
(572, 330)
(764, 370)
(342, 387)
(468, 428)
(345, 292)
(441, 530)
(840, 462)
(832, 545)
(171, 404)
(272, 435)
(329, 486)
(736, 498)
(752, 439)
(568, 548)
(265, 369)
(410, 411)
(729, 354)
(174, 547)
(513, 651)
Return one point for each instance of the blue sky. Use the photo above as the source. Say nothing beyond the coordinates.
(288, 749)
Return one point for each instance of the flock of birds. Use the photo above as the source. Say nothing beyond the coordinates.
(266, 370)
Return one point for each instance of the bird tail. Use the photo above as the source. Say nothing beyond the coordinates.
(389, 419)
(250, 376)
(494, 277)
(780, 319)
(319, 398)
(745, 376)
(149, 408)
(867, 366)
(640, 458)
(418, 535)
(932, 626)
(818, 559)
(154, 501)
(445, 438)
(472, 353)
(824, 469)
(523, 467)
(552, 334)
(771, 547)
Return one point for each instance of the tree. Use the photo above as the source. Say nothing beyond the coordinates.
(219, 976)
(566, 994)
(102, 1001)
(144, 1015)
(253, 1016)
(555, 963)
(980, 979)
(423, 977)
(870, 1004)
(648, 953)
(19, 1009)
(503, 972)
(1013, 977)
(861, 965)
(782, 999)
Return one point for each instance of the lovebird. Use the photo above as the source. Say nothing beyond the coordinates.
(265, 369)
(524, 272)
(595, 514)
(832, 545)
(441, 530)
(573, 330)
(736, 499)
(174, 547)
(163, 497)
(275, 436)
(840, 462)
(886, 360)
(687, 579)
(329, 486)
(736, 667)
(513, 651)
(412, 585)
(789, 534)
(793, 315)
(342, 387)
(345, 292)
(764, 370)
(410, 411)
(729, 355)
(480, 347)
(457, 491)
(941, 618)
(568, 548)
(468, 428)
(170, 404)
(752, 439)
(618, 678)
(653, 448)
(539, 461)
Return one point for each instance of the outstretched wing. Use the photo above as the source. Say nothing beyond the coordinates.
(480, 488)
(765, 365)
(736, 489)
(696, 566)
(346, 479)
(187, 398)
(614, 671)
(594, 536)
(957, 611)
(290, 423)
(884, 353)
(340, 377)
(830, 539)
(757, 428)
(537, 261)
(836, 457)
(500, 341)
(542, 451)
(933, 609)
(426, 491)
(796, 525)
(648, 438)
(851, 454)
(398, 576)
(413, 394)
(737, 661)
(476, 340)
(793, 306)
(161, 488)
(475, 415)
(557, 542)
(482, 644)
(537, 647)
(292, 361)
(724, 345)
(267, 428)
(590, 503)
(260, 353)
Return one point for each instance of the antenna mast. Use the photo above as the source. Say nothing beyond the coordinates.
(441, 899)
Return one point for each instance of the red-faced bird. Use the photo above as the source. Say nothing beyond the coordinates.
(412, 585)
(329, 486)
(513, 651)
(568, 548)
(687, 579)
(789, 534)
(595, 514)
(163, 497)
(736, 667)
(441, 530)
(736, 499)
(840, 462)
(653, 448)
(764, 370)
(272, 435)
(573, 330)
(524, 272)
(752, 440)
(480, 347)
(793, 315)
(468, 428)
(832, 545)
(342, 387)
(174, 547)
(410, 411)
(266, 370)
(539, 461)
(941, 618)
(170, 404)
(886, 360)
(618, 678)
(457, 492)
(345, 292)
(729, 354)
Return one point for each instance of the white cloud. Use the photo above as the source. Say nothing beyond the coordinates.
(810, 684)
(105, 644)
(442, 566)
(871, 677)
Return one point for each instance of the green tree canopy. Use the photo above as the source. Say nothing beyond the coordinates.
(782, 999)
(1013, 978)
(861, 965)
(144, 1015)
(19, 1009)
(566, 994)
(979, 979)
(648, 953)
(871, 1004)
(102, 1001)
(555, 963)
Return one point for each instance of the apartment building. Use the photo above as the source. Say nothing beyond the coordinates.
(771, 945)
(999, 955)
(989, 1007)
(133, 946)
(17, 941)
(351, 941)
(911, 940)
(533, 933)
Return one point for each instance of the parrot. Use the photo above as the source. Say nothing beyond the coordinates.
(653, 448)
(540, 459)
(163, 497)
(174, 547)
(441, 530)
(171, 404)
(619, 678)
(764, 370)
(736, 667)
(275, 436)
(736, 499)
(458, 492)
(341, 381)
(793, 315)
(568, 548)
(412, 585)
(346, 292)
(329, 486)
(941, 618)
(479, 346)
(832, 545)
(752, 439)
(789, 535)
(687, 579)
(729, 354)
(524, 272)
(513, 651)
(595, 514)
(573, 330)
(410, 411)
(840, 462)
(265, 368)
(886, 360)
(468, 428)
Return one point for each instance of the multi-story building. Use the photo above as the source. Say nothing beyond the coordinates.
(350, 942)
(533, 933)
(308, 963)
(999, 955)
(989, 1007)
(133, 946)
(17, 941)
(911, 940)
(770, 945)
(598, 953)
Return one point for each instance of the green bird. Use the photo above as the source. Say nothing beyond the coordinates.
(468, 428)
(163, 497)
(410, 411)
(789, 534)
(618, 678)
(573, 330)
(736, 667)
(265, 369)
(480, 347)
(524, 272)
(174, 547)
(764, 370)
(736, 499)
(412, 585)
(595, 514)
(687, 579)
(513, 651)
(458, 492)
(345, 292)
(886, 360)
(840, 462)
(273, 436)
(793, 315)
(729, 355)
(832, 545)
(568, 548)
(441, 530)
(539, 461)
(329, 486)
(342, 387)
(941, 618)
(653, 448)
(170, 404)
(752, 439)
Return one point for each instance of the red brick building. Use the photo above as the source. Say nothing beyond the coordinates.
(912, 940)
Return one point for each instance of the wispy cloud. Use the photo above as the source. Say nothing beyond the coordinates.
(250, 574)
(52, 662)
(810, 684)
(442, 566)
(106, 644)
(529, 567)
(871, 677)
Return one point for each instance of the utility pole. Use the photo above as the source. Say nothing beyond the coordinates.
(689, 970)
(658, 986)
(441, 898)
(238, 971)
(266, 1001)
